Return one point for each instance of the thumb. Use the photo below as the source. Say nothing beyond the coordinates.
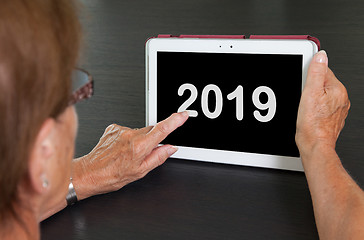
(317, 70)
(158, 156)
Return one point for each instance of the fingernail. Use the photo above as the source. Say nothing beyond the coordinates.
(321, 57)
(172, 150)
(186, 113)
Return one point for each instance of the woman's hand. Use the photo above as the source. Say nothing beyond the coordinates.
(123, 155)
(323, 108)
(337, 200)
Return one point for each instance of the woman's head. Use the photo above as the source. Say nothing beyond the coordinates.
(39, 44)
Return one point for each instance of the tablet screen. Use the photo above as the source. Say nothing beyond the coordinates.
(238, 102)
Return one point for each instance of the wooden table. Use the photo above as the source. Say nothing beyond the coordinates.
(193, 200)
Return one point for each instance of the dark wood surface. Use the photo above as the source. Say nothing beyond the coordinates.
(193, 200)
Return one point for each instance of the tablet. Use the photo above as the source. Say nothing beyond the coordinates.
(242, 96)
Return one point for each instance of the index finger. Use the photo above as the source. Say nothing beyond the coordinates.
(162, 129)
(332, 79)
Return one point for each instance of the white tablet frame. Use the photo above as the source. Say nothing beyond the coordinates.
(306, 48)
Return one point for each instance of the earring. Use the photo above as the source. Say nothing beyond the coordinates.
(45, 182)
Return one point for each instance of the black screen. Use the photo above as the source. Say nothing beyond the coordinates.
(221, 128)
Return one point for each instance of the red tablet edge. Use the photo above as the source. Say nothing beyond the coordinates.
(293, 37)
(306, 37)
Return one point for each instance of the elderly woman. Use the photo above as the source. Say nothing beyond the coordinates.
(39, 45)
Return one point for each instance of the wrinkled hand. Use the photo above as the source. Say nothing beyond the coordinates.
(323, 108)
(124, 155)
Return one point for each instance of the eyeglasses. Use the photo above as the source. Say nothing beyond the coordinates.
(82, 86)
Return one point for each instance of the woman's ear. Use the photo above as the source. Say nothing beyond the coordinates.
(41, 154)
